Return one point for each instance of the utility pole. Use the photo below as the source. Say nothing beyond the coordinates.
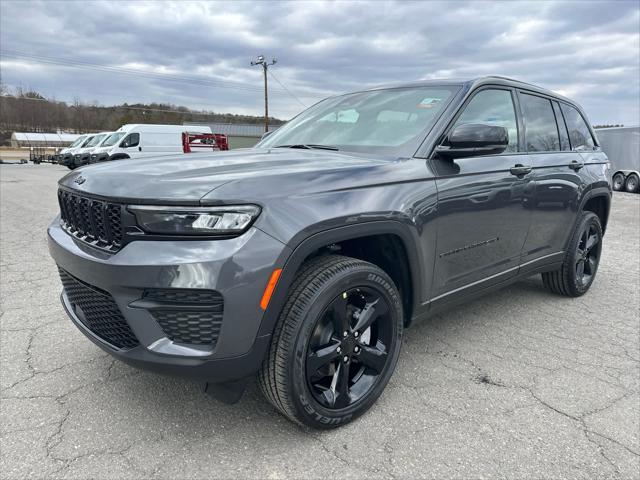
(265, 66)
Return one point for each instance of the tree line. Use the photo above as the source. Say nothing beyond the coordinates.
(29, 111)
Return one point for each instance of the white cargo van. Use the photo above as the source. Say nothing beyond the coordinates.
(82, 155)
(67, 155)
(71, 148)
(142, 140)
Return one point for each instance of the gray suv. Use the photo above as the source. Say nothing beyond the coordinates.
(303, 259)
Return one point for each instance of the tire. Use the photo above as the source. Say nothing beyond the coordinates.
(632, 183)
(71, 167)
(618, 182)
(295, 377)
(580, 264)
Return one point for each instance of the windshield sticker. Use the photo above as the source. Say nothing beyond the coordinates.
(429, 102)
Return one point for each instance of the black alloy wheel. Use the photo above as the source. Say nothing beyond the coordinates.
(336, 342)
(349, 347)
(581, 259)
(588, 254)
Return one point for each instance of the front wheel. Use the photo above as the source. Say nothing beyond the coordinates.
(336, 343)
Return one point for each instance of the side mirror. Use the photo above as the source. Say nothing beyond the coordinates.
(474, 139)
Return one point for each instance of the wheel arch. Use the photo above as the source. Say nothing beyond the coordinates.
(349, 235)
(598, 201)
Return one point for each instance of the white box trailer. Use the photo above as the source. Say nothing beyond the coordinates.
(622, 146)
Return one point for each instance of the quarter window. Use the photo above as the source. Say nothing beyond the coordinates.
(493, 107)
(562, 128)
(579, 133)
(541, 131)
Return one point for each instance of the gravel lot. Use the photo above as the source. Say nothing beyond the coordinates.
(519, 384)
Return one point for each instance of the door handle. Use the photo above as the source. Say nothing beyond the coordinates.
(139, 149)
(520, 170)
(575, 165)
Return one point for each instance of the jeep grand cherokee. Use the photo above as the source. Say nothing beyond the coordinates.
(303, 259)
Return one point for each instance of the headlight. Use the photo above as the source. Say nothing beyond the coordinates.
(195, 220)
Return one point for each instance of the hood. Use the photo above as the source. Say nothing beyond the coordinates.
(103, 149)
(246, 175)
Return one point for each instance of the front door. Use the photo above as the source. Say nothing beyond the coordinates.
(483, 205)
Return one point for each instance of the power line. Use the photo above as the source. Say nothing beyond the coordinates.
(132, 72)
(287, 90)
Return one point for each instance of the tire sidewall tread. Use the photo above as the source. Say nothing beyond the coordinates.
(282, 376)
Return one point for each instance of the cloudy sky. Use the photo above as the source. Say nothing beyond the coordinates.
(198, 54)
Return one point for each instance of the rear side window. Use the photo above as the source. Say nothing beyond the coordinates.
(579, 133)
(541, 131)
(562, 128)
(493, 107)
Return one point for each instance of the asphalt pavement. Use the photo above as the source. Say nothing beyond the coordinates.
(519, 384)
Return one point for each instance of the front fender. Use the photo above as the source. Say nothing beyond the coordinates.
(303, 245)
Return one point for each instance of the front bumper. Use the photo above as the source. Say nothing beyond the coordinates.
(238, 269)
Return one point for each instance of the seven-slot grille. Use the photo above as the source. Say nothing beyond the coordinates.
(94, 221)
(98, 312)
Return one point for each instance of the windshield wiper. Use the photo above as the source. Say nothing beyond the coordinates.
(310, 146)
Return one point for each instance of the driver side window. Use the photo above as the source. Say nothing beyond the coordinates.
(131, 140)
(493, 107)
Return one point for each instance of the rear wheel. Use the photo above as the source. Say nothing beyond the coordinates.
(632, 182)
(581, 261)
(336, 343)
(618, 182)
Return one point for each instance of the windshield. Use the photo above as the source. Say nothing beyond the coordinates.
(391, 121)
(95, 140)
(86, 142)
(112, 139)
(78, 141)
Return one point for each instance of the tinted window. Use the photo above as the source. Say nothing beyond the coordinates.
(562, 128)
(541, 131)
(493, 107)
(132, 140)
(579, 133)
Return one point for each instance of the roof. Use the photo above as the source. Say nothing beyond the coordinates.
(237, 129)
(44, 137)
(630, 127)
(472, 82)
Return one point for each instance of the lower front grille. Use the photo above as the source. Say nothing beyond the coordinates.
(189, 316)
(98, 312)
(191, 327)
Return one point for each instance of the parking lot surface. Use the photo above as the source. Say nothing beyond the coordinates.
(519, 384)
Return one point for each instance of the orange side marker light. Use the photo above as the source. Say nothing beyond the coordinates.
(271, 286)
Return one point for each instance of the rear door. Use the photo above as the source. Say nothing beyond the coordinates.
(483, 218)
(557, 179)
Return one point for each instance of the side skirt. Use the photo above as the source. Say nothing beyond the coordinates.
(548, 263)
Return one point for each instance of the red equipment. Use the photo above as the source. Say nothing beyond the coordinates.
(212, 141)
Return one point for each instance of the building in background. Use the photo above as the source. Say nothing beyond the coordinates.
(45, 140)
(239, 135)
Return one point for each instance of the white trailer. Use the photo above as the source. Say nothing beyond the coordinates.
(622, 146)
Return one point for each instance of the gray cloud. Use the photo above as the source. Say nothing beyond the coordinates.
(589, 51)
